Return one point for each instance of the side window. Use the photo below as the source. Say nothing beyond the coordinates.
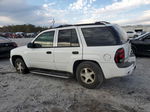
(98, 36)
(67, 38)
(45, 39)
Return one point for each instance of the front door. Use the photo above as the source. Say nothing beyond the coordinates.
(42, 56)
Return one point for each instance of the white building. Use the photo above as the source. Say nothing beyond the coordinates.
(137, 28)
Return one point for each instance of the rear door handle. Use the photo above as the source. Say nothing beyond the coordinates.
(48, 52)
(75, 52)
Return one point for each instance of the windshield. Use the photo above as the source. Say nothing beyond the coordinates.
(141, 36)
(3, 39)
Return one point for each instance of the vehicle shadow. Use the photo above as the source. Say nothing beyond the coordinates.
(4, 59)
(142, 56)
(114, 85)
(127, 85)
(109, 84)
(52, 77)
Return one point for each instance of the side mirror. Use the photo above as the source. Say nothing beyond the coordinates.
(30, 45)
(33, 45)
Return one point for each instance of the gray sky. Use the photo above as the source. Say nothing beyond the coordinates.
(41, 12)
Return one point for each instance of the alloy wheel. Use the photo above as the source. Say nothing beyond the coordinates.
(19, 67)
(87, 75)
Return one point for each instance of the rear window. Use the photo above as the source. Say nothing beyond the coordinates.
(98, 36)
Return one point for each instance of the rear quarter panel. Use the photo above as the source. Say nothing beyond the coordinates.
(104, 55)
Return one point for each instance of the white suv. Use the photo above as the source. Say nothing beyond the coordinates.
(90, 52)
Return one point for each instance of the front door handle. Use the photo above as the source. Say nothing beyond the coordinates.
(48, 52)
(75, 52)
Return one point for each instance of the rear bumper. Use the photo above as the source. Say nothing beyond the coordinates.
(128, 70)
(120, 72)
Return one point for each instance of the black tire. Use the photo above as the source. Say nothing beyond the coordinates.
(20, 66)
(89, 68)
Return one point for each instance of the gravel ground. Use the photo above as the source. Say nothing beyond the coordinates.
(36, 93)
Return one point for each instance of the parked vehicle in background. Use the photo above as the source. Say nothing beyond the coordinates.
(11, 35)
(30, 35)
(7, 34)
(20, 34)
(141, 44)
(89, 52)
(5, 46)
(17, 34)
(131, 34)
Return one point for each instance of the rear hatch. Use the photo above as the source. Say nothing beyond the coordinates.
(124, 40)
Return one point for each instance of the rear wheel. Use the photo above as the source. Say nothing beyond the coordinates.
(20, 66)
(89, 75)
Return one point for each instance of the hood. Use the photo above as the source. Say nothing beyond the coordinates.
(18, 50)
(4, 40)
(21, 48)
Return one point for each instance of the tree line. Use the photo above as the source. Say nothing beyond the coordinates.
(27, 28)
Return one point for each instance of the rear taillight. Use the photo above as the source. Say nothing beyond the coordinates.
(120, 56)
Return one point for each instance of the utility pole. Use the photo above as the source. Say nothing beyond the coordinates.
(53, 22)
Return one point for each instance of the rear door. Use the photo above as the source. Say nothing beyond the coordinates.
(68, 49)
(124, 40)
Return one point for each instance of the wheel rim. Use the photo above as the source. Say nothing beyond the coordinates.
(87, 75)
(19, 67)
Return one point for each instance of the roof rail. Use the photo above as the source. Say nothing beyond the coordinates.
(102, 22)
(96, 23)
(66, 25)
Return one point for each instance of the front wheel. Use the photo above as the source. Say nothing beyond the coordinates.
(89, 75)
(20, 66)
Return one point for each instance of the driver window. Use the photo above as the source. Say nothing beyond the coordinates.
(45, 39)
